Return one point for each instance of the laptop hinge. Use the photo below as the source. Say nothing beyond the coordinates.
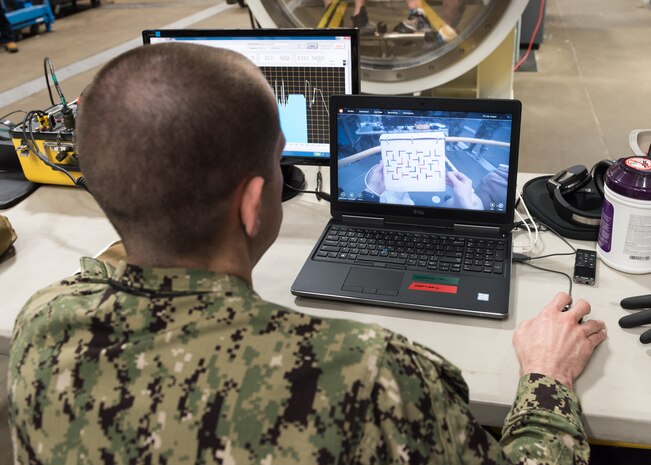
(422, 223)
(367, 220)
(474, 227)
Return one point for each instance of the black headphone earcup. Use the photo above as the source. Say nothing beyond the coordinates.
(599, 173)
(577, 211)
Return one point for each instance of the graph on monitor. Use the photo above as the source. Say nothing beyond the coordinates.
(302, 94)
(304, 68)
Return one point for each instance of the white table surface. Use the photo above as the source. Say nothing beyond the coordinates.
(57, 225)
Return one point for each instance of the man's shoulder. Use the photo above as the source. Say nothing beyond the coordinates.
(70, 291)
(325, 330)
(92, 273)
(385, 347)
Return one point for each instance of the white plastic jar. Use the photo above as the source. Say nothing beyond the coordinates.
(624, 241)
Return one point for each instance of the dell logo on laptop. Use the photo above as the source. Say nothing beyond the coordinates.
(419, 212)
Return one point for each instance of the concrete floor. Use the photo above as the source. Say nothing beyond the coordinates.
(592, 86)
(591, 89)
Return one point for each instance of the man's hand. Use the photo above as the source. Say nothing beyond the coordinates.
(462, 186)
(555, 343)
(375, 179)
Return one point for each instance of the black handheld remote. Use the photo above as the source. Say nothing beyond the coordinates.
(585, 265)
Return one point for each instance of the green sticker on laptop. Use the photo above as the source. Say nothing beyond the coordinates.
(425, 278)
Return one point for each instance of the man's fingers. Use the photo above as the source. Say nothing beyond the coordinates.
(593, 326)
(453, 178)
(559, 301)
(580, 309)
(598, 337)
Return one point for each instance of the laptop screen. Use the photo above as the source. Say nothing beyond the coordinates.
(442, 159)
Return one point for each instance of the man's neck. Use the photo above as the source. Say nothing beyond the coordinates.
(236, 261)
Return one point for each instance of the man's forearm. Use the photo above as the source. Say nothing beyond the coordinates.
(545, 424)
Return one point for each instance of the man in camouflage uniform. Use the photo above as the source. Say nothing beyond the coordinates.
(172, 358)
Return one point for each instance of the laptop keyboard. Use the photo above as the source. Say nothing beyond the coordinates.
(405, 250)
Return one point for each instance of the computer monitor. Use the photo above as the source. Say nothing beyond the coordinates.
(304, 67)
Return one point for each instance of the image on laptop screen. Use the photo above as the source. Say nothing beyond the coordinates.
(439, 159)
(303, 67)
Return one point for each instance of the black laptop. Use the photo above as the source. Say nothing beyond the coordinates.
(423, 197)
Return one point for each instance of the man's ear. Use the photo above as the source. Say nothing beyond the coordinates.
(250, 205)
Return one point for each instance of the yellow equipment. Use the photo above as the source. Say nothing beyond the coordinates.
(45, 145)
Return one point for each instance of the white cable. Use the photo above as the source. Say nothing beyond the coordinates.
(526, 225)
(535, 225)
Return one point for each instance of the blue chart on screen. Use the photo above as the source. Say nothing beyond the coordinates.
(302, 94)
(293, 118)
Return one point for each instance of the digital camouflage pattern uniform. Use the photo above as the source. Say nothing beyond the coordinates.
(175, 366)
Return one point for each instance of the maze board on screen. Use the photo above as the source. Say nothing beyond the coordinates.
(414, 162)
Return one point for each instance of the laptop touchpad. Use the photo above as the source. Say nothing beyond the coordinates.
(373, 281)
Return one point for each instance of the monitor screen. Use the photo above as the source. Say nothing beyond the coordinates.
(303, 66)
(425, 158)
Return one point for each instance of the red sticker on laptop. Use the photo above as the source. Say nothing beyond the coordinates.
(429, 283)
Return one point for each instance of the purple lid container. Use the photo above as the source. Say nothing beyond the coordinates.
(631, 177)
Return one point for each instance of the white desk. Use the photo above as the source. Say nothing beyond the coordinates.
(57, 225)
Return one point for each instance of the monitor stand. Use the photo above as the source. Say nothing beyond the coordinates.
(293, 177)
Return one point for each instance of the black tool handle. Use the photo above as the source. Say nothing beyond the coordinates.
(636, 319)
(639, 301)
(645, 338)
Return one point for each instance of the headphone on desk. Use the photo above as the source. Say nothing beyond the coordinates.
(577, 193)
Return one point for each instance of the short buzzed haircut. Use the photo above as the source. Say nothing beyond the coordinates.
(167, 132)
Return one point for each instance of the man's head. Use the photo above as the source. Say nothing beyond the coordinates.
(172, 139)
